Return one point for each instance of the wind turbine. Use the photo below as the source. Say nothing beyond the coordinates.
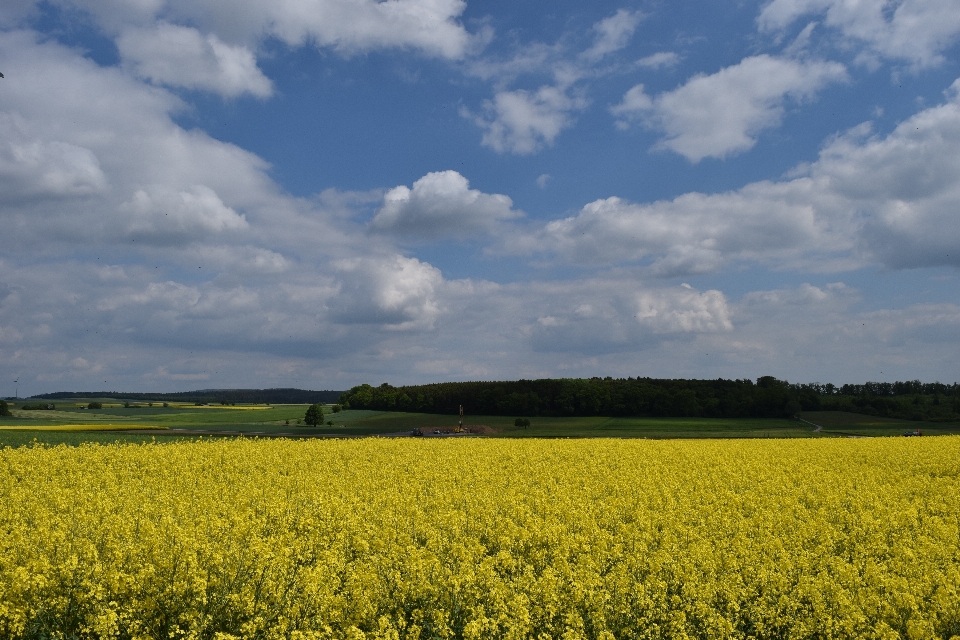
(17, 382)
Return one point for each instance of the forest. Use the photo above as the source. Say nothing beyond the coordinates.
(767, 397)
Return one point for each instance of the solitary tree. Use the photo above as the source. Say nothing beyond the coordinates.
(314, 415)
(4, 409)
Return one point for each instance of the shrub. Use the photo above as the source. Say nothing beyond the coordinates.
(95, 405)
(521, 422)
(4, 409)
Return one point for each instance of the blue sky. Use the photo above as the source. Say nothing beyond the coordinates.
(319, 193)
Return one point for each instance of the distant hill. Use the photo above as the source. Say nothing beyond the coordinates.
(252, 396)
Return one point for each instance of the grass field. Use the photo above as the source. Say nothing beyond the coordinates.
(73, 423)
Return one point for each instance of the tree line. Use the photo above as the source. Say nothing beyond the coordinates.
(217, 396)
(767, 397)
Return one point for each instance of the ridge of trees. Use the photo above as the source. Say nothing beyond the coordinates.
(246, 396)
(768, 397)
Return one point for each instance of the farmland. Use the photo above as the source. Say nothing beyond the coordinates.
(496, 538)
(72, 423)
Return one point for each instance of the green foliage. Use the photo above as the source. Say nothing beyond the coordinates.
(4, 409)
(39, 407)
(521, 422)
(314, 415)
(95, 405)
(336, 408)
(767, 398)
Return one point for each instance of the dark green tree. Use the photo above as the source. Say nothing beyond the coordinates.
(4, 409)
(314, 415)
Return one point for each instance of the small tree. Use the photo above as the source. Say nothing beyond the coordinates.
(4, 409)
(521, 422)
(314, 415)
(95, 405)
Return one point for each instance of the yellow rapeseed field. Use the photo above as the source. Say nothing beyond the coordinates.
(410, 538)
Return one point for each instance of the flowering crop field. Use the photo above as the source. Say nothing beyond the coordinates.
(382, 538)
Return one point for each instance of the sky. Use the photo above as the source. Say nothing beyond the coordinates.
(317, 194)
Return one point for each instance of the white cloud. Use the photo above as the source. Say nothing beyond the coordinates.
(32, 169)
(905, 185)
(396, 292)
(523, 122)
(441, 204)
(635, 103)
(161, 214)
(182, 57)
(918, 31)
(349, 26)
(659, 60)
(613, 33)
(696, 233)
(543, 180)
(605, 315)
(868, 199)
(722, 114)
(77, 168)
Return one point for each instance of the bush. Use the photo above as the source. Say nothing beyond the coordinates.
(521, 422)
(4, 409)
(95, 405)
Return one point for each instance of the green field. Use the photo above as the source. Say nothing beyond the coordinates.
(72, 423)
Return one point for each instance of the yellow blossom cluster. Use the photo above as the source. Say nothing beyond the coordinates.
(409, 538)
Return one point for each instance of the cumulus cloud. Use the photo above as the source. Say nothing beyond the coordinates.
(917, 31)
(888, 200)
(613, 33)
(182, 57)
(602, 316)
(32, 169)
(349, 26)
(722, 114)
(113, 153)
(695, 233)
(523, 122)
(161, 214)
(906, 185)
(396, 292)
(441, 204)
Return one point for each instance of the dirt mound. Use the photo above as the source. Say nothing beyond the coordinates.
(479, 428)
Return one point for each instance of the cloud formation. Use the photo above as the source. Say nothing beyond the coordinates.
(613, 33)
(916, 31)
(349, 26)
(523, 122)
(868, 199)
(179, 56)
(441, 204)
(722, 114)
